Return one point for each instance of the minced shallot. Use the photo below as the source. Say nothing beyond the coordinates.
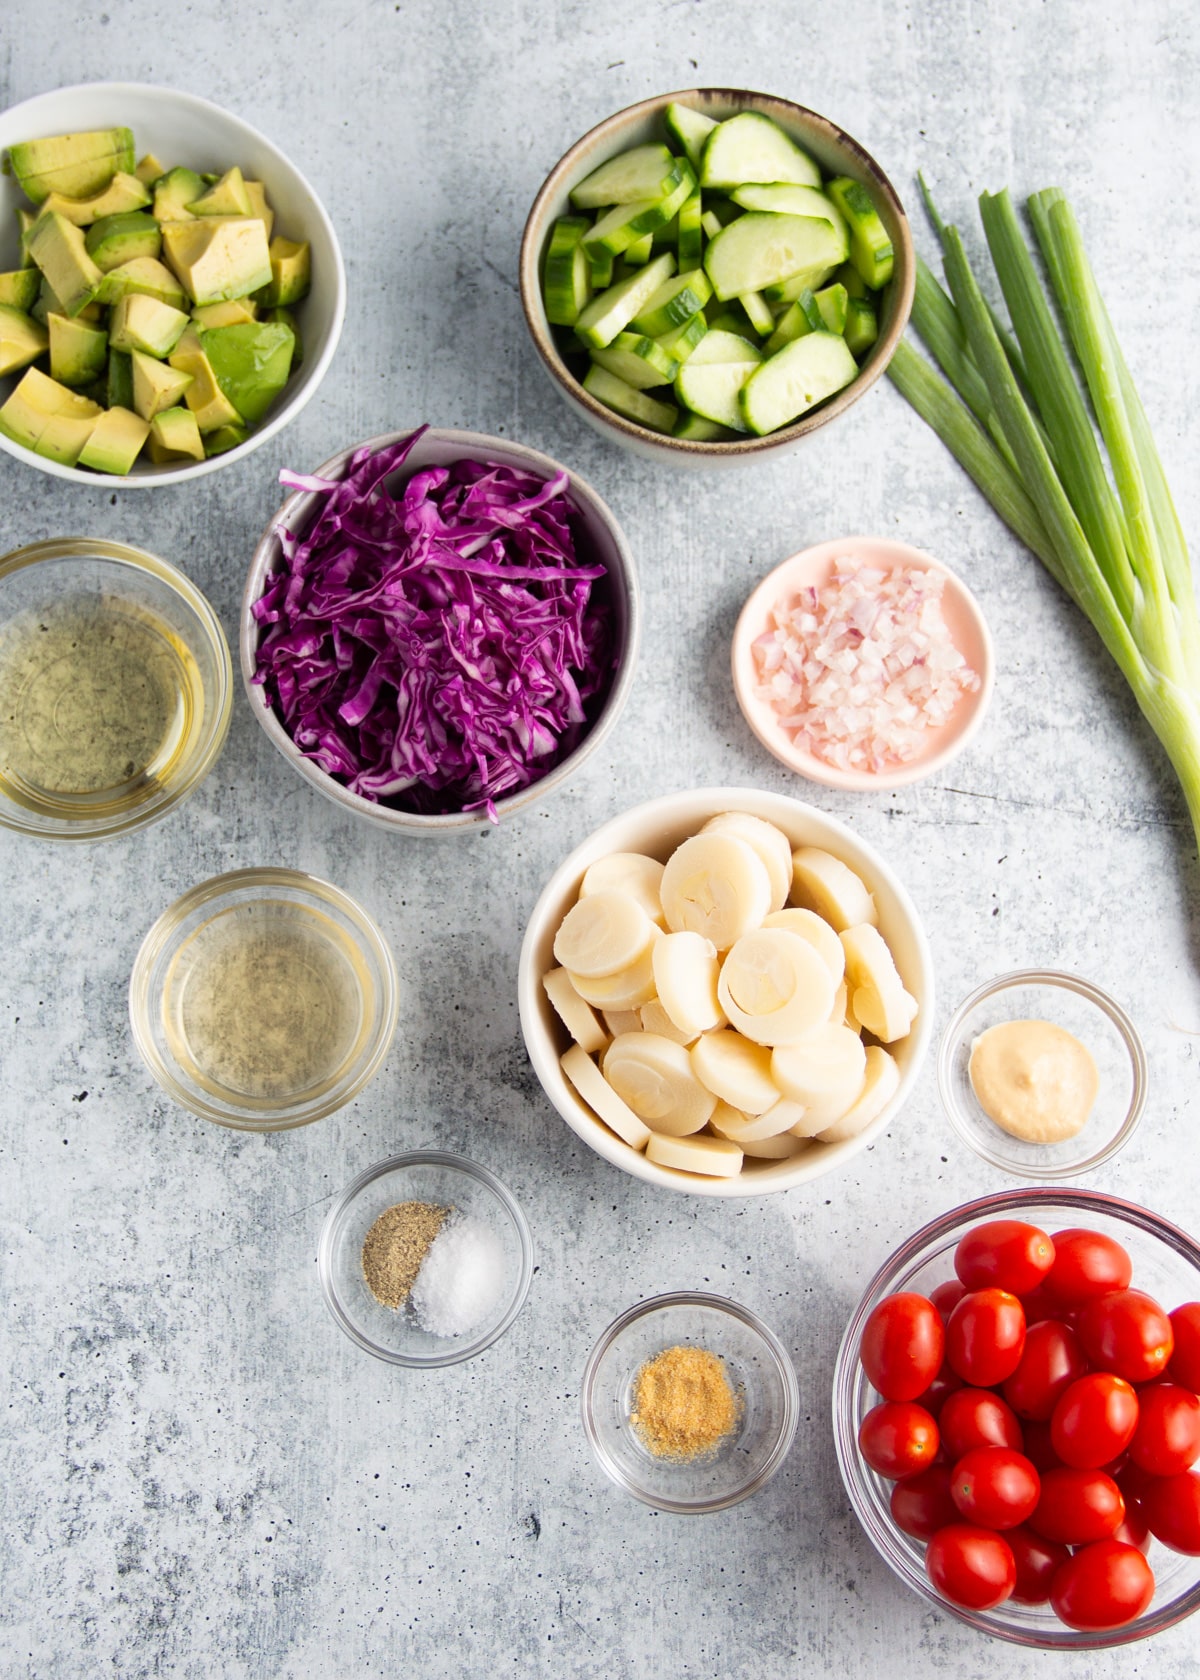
(860, 669)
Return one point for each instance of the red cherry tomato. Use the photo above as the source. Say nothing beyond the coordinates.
(995, 1487)
(1004, 1254)
(922, 1504)
(1128, 1333)
(1135, 1531)
(971, 1566)
(898, 1438)
(1038, 1561)
(947, 1296)
(1171, 1506)
(1039, 1305)
(1094, 1421)
(1086, 1264)
(985, 1336)
(1167, 1438)
(1185, 1361)
(1039, 1448)
(973, 1417)
(1077, 1506)
(939, 1391)
(1051, 1362)
(1106, 1585)
(902, 1346)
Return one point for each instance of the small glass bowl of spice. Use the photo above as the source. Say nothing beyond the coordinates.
(425, 1259)
(690, 1402)
(1042, 1073)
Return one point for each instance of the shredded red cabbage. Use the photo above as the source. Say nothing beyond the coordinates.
(439, 647)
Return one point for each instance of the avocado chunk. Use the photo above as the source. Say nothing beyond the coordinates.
(46, 417)
(227, 198)
(73, 164)
(217, 257)
(57, 247)
(138, 322)
(48, 303)
(149, 170)
(172, 192)
(114, 240)
(287, 319)
(291, 273)
(155, 385)
(77, 350)
(115, 443)
(146, 275)
(225, 437)
(19, 290)
(22, 339)
(174, 432)
(118, 380)
(122, 194)
(25, 222)
(259, 207)
(231, 314)
(204, 396)
(251, 363)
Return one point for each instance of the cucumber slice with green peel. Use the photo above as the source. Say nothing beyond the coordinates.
(856, 287)
(862, 326)
(691, 234)
(797, 320)
(758, 312)
(782, 199)
(761, 249)
(795, 286)
(667, 236)
(612, 310)
(634, 405)
(649, 171)
(640, 361)
(600, 268)
(681, 341)
(870, 248)
(722, 346)
(710, 224)
(696, 429)
(794, 380)
(711, 388)
(832, 301)
(568, 284)
(689, 129)
(625, 223)
(750, 148)
(675, 302)
(640, 252)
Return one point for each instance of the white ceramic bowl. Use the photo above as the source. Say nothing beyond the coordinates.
(657, 828)
(181, 128)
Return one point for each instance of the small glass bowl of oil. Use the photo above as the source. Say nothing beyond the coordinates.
(263, 999)
(116, 689)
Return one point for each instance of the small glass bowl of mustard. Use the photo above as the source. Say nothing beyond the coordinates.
(1043, 998)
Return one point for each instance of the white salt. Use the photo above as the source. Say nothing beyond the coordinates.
(461, 1278)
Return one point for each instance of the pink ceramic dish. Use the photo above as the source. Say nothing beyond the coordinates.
(813, 566)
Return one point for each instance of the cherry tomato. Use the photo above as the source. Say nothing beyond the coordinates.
(973, 1417)
(940, 1389)
(1094, 1420)
(898, 1438)
(1038, 1561)
(1185, 1361)
(1051, 1362)
(1039, 1448)
(1086, 1264)
(1171, 1506)
(922, 1504)
(902, 1346)
(1135, 1531)
(1004, 1254)
(1167, 1438)
(1077, 1506)
(985, 1336)
(1038, 1305)
(947, 1296)
(1128, 1333)
(1103, 1586)
(971, 1566)
(995, 1487)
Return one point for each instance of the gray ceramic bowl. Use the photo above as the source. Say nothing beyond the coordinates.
(604, 541)
(833, 149)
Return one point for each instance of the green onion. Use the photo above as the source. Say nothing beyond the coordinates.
(1101, 521)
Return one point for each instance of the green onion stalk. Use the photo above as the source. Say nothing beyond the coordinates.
(1010, 408)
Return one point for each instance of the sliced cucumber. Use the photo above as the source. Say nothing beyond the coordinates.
(832, 301)
(568, 284)
(758, 313)
(640, 361)
(626, 223)
(710, 224)
(698, 430)
(799, 319)
(643, 172)
(691, 234)
(848, 276)
(614, 393)
(862, 326)
(794, 380)
(761, 250)
(690, 129)
(784, 200)
(722, 346)
(795, 286)
(681, 341)
(611, 311)
(640, 252)
(750, 147)
(709, 381)
(675, 302)
(870, 248)
(600, 268)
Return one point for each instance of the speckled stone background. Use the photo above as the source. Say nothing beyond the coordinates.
(199, 1475)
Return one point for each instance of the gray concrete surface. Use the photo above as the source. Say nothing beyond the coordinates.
(201, 1477)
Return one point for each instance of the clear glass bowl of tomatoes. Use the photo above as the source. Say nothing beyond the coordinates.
(1091, 1382)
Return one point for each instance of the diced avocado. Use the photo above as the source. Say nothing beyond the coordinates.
(25, 221)
(174, 432)
(189, 342)
(251, 364)
(217, 258)
(116, 442)
(146, 275)
(21, 339)
(225, 437)
(114, 240)
(19, 288)
(46, 417)
(291, 272)
(287, 319)
(172, 192)
(119, 380)
(155, 385)
(149, 170)
(231, 314)
(77, 350)
(57, 247)
(228, 198)
(138, 322)
(73, 164)
(204, 396)
(122, 194)
(259, 207)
